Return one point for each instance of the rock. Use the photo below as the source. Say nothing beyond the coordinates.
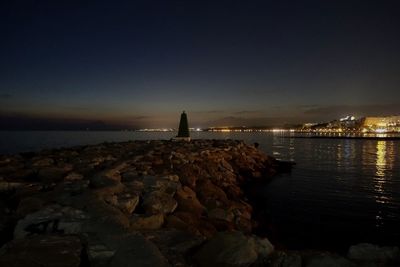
(127, 202)
(51, 174)
(328, 260)
(210, 195)
(159, 202)
(29, 205)
(369, 252)
(284, 259)
(42, 162)
(147, 222)
(136, 251)
(9, 186)
(175, 244)
(42, 251)
(221, 214)
(230, 249)
(154, 183)
(101, 180)
(73, 176)
(51, 220)
(188, 202)
(129, 176)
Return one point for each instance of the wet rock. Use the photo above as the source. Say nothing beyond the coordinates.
(370, 252)
(42, 251)
(146, 222)
(159, 202)
(231, 249)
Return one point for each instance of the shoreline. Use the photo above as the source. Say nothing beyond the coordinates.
(390, 138)
(178, 203)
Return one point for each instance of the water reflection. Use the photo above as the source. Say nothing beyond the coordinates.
(383, 165)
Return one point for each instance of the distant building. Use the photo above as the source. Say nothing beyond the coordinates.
(381, 124)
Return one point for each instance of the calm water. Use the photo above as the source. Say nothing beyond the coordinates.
(341, 192)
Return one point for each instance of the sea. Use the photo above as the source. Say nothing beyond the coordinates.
(341, 191)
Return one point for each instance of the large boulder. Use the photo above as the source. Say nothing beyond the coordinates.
(232, 249)
(42, 251)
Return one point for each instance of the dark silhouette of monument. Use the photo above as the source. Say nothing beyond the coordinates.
(183, 132)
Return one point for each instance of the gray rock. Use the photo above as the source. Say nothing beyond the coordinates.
(369, 252)
(51, 220)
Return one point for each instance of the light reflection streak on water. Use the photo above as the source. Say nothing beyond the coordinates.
(383, 165)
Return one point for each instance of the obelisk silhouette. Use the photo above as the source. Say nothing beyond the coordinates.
(183, 132)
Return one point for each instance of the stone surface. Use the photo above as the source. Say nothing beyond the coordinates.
(127, 202)
(369, 252)
(159, 202)
(328, 260)
(53, 219)
(188, 202)
(42, 251)
(285, 259)
(176, 245)
(136, 251)
(147, 222)
(229, 249)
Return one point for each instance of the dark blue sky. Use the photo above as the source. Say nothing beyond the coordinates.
(140, 63)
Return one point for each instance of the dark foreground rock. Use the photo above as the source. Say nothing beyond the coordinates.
(147, 203)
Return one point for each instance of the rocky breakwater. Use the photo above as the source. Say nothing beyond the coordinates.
(142, 203)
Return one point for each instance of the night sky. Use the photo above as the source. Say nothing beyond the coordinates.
(113, 64)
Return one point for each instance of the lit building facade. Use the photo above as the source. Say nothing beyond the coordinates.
(381, 124)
